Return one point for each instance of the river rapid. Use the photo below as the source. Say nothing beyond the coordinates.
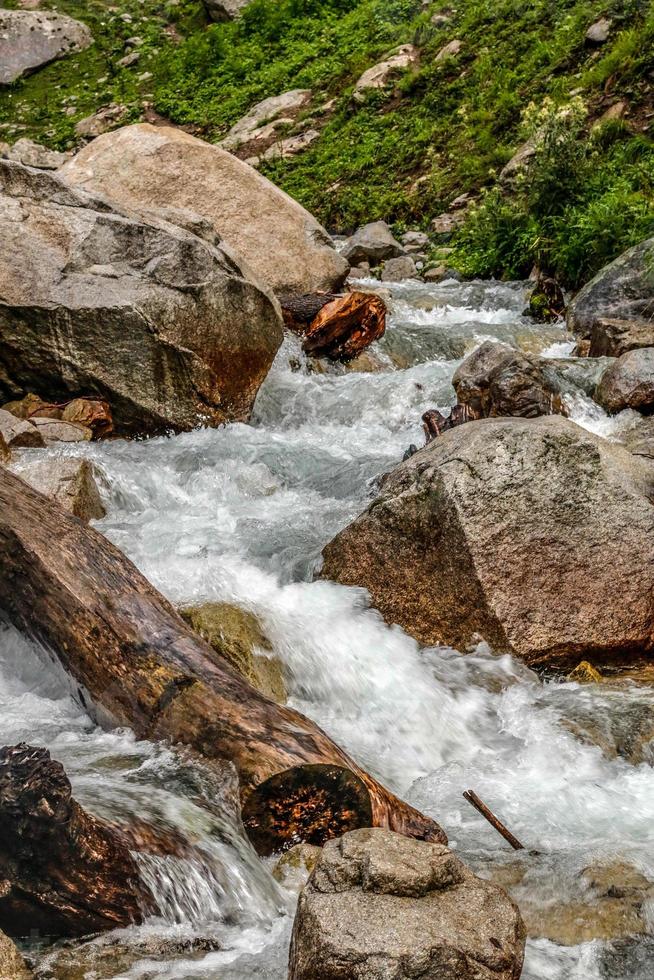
(240, 514)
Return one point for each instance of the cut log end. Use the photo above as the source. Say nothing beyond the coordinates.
(312, 803)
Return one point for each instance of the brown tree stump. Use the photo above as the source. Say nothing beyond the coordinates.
(337, 327)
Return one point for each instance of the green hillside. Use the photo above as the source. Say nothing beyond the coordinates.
(445, 128)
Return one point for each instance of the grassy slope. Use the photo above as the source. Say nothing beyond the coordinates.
(453, 123)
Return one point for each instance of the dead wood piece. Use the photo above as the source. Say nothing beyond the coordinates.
(135, 662)
(62, 871)
(341, 326)
(481, 807)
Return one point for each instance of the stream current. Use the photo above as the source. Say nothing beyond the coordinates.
(240, 514)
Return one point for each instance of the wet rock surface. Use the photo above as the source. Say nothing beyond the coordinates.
(628, 383)
(378, 905)
(71, 482)
(161, 323)
(558, 510)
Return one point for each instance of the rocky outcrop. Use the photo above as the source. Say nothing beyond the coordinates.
(372, 243)
(290, 147)
(623, 290)
(106, 118)
(219, 10)
(163, 324)
(12, 964)
(378, 906)
(68, 481)
(497, 380)
(32, 38)
(236, 634)
(285, 106)
(519, 162)
(612, 337)
(32, 154)
(382, 74)
(158, 166)
(450, 50)
(628, 383)
(534, 534)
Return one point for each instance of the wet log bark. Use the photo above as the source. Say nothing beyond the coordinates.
(135, 662)
(337, 327)
(62, 870)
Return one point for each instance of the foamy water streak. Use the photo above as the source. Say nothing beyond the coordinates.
(241, 514)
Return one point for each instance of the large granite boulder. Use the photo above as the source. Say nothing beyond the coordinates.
(32, 38)
(163, 324)
(158, 166)
(628, 382)
(623, 290)
(497, 380)
(379, 906)
(533, 534)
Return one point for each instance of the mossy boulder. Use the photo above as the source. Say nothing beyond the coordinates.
(237, 635)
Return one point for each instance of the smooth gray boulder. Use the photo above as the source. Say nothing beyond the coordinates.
(162, 167)
(379, 906)
(622, 290)
(628, 383)
(372, 243)
(533, 534)
(161, 323)
(32, 38)
(598, 33)
(496, 380)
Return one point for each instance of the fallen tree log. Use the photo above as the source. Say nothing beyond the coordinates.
(62, 870)
(135, 662)
(337, 327)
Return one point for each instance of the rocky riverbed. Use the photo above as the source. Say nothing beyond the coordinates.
(240, 515)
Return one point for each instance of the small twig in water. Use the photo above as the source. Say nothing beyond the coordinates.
(474, 800)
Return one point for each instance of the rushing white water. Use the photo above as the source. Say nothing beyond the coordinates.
(241, 514)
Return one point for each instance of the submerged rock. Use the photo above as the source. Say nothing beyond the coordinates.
(237, 635)
(517, 531)
(295, 866)
(628, 382)
(623, 290)
(159, 166)
(68, 481)
(497, 380)
(32, 38)
(163, 324)
(585, 673)
(381, 906)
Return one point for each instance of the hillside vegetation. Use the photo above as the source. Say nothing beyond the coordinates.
(445, 128)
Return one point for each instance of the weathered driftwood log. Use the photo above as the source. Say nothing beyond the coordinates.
(137, 663)
(337, 327)
(62, 870)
